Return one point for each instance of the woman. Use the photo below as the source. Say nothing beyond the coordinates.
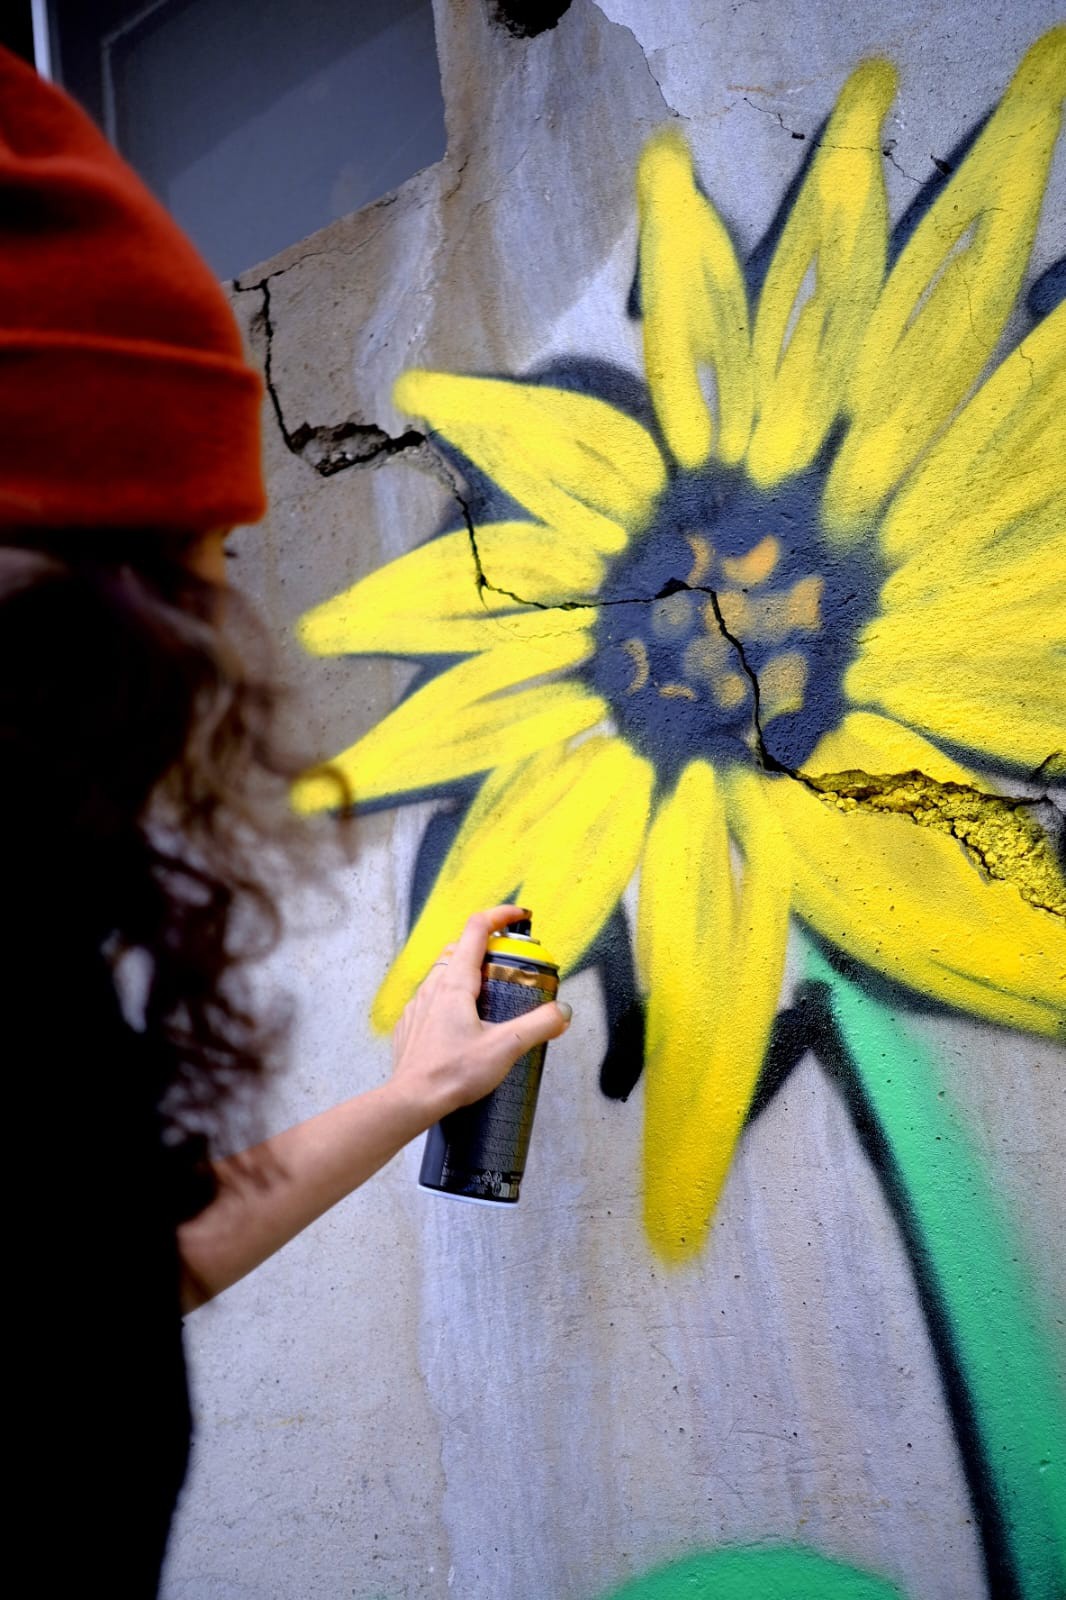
(147, 841)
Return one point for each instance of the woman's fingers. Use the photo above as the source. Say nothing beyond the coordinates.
(436, 972)
(506, 1041)
(445, 1055)
(465, 965)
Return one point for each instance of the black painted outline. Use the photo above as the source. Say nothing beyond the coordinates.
(809, 1025)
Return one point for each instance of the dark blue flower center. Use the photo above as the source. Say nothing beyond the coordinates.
(728, 587)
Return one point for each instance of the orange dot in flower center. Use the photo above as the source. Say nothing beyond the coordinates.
(773, 616)
(782, 683)
(756, 566)
(702, 557)
(730, 690)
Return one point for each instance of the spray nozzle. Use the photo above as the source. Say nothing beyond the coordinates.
(523, 926)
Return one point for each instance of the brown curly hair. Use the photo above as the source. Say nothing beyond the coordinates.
(144, 794)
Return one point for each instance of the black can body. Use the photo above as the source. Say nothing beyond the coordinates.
(479, 1152)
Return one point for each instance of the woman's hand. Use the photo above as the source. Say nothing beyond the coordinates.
(444, 1056)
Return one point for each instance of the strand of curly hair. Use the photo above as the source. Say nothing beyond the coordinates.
(144, 794)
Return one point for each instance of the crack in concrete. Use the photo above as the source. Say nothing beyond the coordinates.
(645, 57)
(766, 112)
(359, 444)
(347, 249)
(888, 151)
(767, 760)
(501, 187)
(279, 272)
(327, 448)
(998, 832)
(969, 305)
(674, 112)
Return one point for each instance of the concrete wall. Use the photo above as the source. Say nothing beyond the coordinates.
(742, 318)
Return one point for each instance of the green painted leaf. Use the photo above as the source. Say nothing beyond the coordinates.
(976, 1286)
(783, 1573)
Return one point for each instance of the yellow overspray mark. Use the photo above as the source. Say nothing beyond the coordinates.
(995, 831)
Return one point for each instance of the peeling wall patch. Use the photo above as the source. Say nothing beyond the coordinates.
(996, 831)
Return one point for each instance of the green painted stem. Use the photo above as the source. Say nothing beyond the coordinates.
(967, 1266)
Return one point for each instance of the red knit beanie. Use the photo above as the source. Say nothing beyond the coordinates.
(125, 399)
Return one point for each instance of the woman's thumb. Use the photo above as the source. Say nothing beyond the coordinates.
(506, 1041)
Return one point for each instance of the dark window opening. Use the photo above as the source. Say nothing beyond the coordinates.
(257, 122)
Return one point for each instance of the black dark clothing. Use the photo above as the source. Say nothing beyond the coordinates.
(101, 1368)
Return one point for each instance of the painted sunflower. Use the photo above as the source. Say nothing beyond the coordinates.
(740, 640)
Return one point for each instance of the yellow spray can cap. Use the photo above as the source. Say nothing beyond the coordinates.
(517, 940)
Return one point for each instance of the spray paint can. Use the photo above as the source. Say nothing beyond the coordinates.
(479, 1151)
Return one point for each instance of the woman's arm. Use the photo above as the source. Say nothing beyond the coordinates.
(444, 1057)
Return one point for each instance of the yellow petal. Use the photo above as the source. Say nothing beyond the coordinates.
(695, 309)
(804, 350)
(430, 602)
(1000, 466)
(1016, 609)
(1023, 568)
(586, 850)
(1010, 709)
(980, 664)
(571, 460)
(947, 299)
(461, 722)
(711, 958)
(486, 863)
(905, 899)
